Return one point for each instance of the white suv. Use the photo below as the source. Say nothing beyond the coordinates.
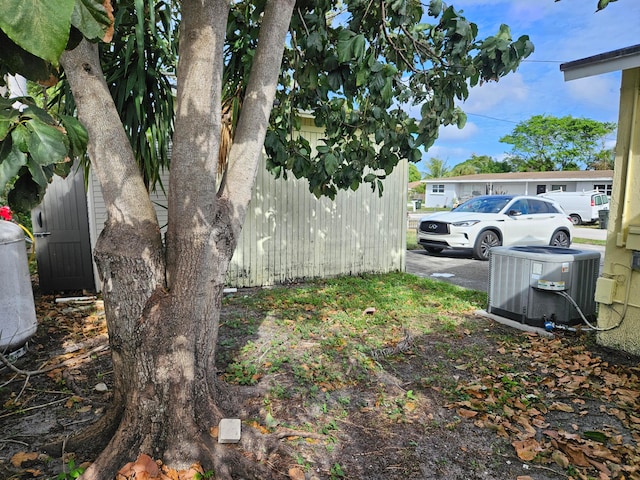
(493, 220)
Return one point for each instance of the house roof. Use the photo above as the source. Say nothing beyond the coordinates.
(621, 59)
(567, 175)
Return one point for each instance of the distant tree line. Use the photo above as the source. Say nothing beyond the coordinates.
(540, 144)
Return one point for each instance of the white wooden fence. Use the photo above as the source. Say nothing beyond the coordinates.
(290, 235)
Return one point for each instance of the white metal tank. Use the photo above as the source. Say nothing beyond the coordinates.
(17, 308)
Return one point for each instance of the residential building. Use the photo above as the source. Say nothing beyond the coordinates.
(447, 191)
(618, 287)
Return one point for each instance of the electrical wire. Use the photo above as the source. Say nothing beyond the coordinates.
(584, 318)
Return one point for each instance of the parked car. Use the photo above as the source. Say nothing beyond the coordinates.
(493, 220)
(582, 207)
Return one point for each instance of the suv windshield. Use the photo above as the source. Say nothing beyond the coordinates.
(483, 204)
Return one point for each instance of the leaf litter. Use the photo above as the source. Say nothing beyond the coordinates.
(471, 402)
(540, 409)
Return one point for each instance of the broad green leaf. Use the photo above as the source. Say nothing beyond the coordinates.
(602, 4)
(359, 45)
(8, 117)
(92, 19)
(46, 143)
(330, 163)
(41, 27)
(25, 194)
(370, 177)
(20, 137)
(37, 173)
(435, 8)
(345, 46)
(77, 135)
(314, 41)
(11, 160)
(462, 119)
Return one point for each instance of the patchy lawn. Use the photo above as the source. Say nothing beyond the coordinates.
(376, 377)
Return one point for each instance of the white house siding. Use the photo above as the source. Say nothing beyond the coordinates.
(516, 183)
(290, 235)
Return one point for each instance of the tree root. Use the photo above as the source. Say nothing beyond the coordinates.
(90, 440)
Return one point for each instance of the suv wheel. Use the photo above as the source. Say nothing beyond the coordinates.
(485, 241)
(560, 239)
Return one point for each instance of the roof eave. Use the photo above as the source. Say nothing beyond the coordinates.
(615, 60)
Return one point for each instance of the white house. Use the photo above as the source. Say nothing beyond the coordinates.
(444, 192)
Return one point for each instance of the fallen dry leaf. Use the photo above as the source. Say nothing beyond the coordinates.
(527, 449)
(561, 407)
(144, 467)
(19, 458)
(296, 473)
(560, 458)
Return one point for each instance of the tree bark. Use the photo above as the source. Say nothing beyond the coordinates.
(162, 304)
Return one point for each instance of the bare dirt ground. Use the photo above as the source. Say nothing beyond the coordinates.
(479, 402)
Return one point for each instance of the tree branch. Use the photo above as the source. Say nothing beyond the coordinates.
(252, 126)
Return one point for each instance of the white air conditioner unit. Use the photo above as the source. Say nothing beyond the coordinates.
(529, 284)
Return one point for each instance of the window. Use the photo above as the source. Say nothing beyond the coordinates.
(606, 189)
(437, 189)
(520, 206)
(558, 187)
(539, 206)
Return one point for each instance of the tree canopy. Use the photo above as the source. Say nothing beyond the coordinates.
(354, 72)
(436, 168)
(480, 164)
(414, 173)
(548, 143)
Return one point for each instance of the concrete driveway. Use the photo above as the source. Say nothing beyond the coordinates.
(457, 266)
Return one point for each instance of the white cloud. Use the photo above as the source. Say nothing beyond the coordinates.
(483, 99)
(451, 155)
(602, 91)
(451, 133)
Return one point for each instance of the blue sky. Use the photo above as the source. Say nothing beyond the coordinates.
(561, 32)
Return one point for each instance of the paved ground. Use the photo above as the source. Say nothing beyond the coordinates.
(457, 266)
(590, 233)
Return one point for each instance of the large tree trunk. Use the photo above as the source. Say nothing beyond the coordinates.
(163, 304)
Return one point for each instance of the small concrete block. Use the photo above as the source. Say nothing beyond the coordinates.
(229, 430)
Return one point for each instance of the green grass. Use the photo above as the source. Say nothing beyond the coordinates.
(588, 241)
(412, 240)
(326, 332)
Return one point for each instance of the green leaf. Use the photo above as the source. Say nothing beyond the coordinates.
(314, 41)
(359, 45)
(462, 119)
(91, 18)
(25, 194)
(8, 117)
(346, 45)
(370, 177)
(39, 27)
(435, 8)
(37, 173)
(602, 4)
(20, 137)
(77, 135)
(11, 161)
(330, 163)
(597, 436)
(46, 143)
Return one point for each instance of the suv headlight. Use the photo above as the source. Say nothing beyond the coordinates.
(465, 223)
